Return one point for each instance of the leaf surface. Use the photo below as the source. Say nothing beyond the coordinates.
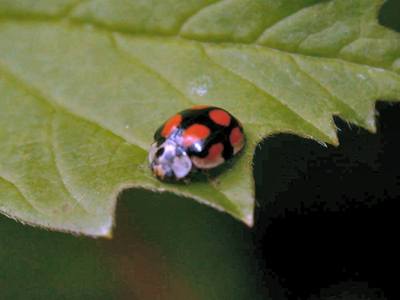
(84, 84)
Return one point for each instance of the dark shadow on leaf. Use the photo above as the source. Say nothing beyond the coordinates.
(328, 215)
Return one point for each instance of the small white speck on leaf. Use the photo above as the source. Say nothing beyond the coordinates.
(361, 76)
(327, 68)
(200, 86)
(89, 27)
(380, 70)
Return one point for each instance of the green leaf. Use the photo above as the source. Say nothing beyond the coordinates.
(84, 84)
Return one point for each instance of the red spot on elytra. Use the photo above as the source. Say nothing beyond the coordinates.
(213, 158)
(195, 133)
(220, 117)
(171, 125)
(215, 152)
(236, 136)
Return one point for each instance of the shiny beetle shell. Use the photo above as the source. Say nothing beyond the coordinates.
(202, 137)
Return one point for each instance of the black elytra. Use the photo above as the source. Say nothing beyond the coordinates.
(218, 133)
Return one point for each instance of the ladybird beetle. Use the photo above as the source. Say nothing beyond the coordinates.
(201, 137)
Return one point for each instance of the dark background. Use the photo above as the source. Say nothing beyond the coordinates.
(331, 220)
(326, 228)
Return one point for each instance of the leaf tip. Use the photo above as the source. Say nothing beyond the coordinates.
(108, 235)
(105, 231)
(371, 124)
(248, 220)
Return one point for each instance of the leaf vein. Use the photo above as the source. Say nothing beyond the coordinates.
(54, 158)
(19, 191)
(138, 63)
(108, 29)
(194, 14)
(34, 92)
(320, 85)
(261, 90)
(283, 19)
(65, 13)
